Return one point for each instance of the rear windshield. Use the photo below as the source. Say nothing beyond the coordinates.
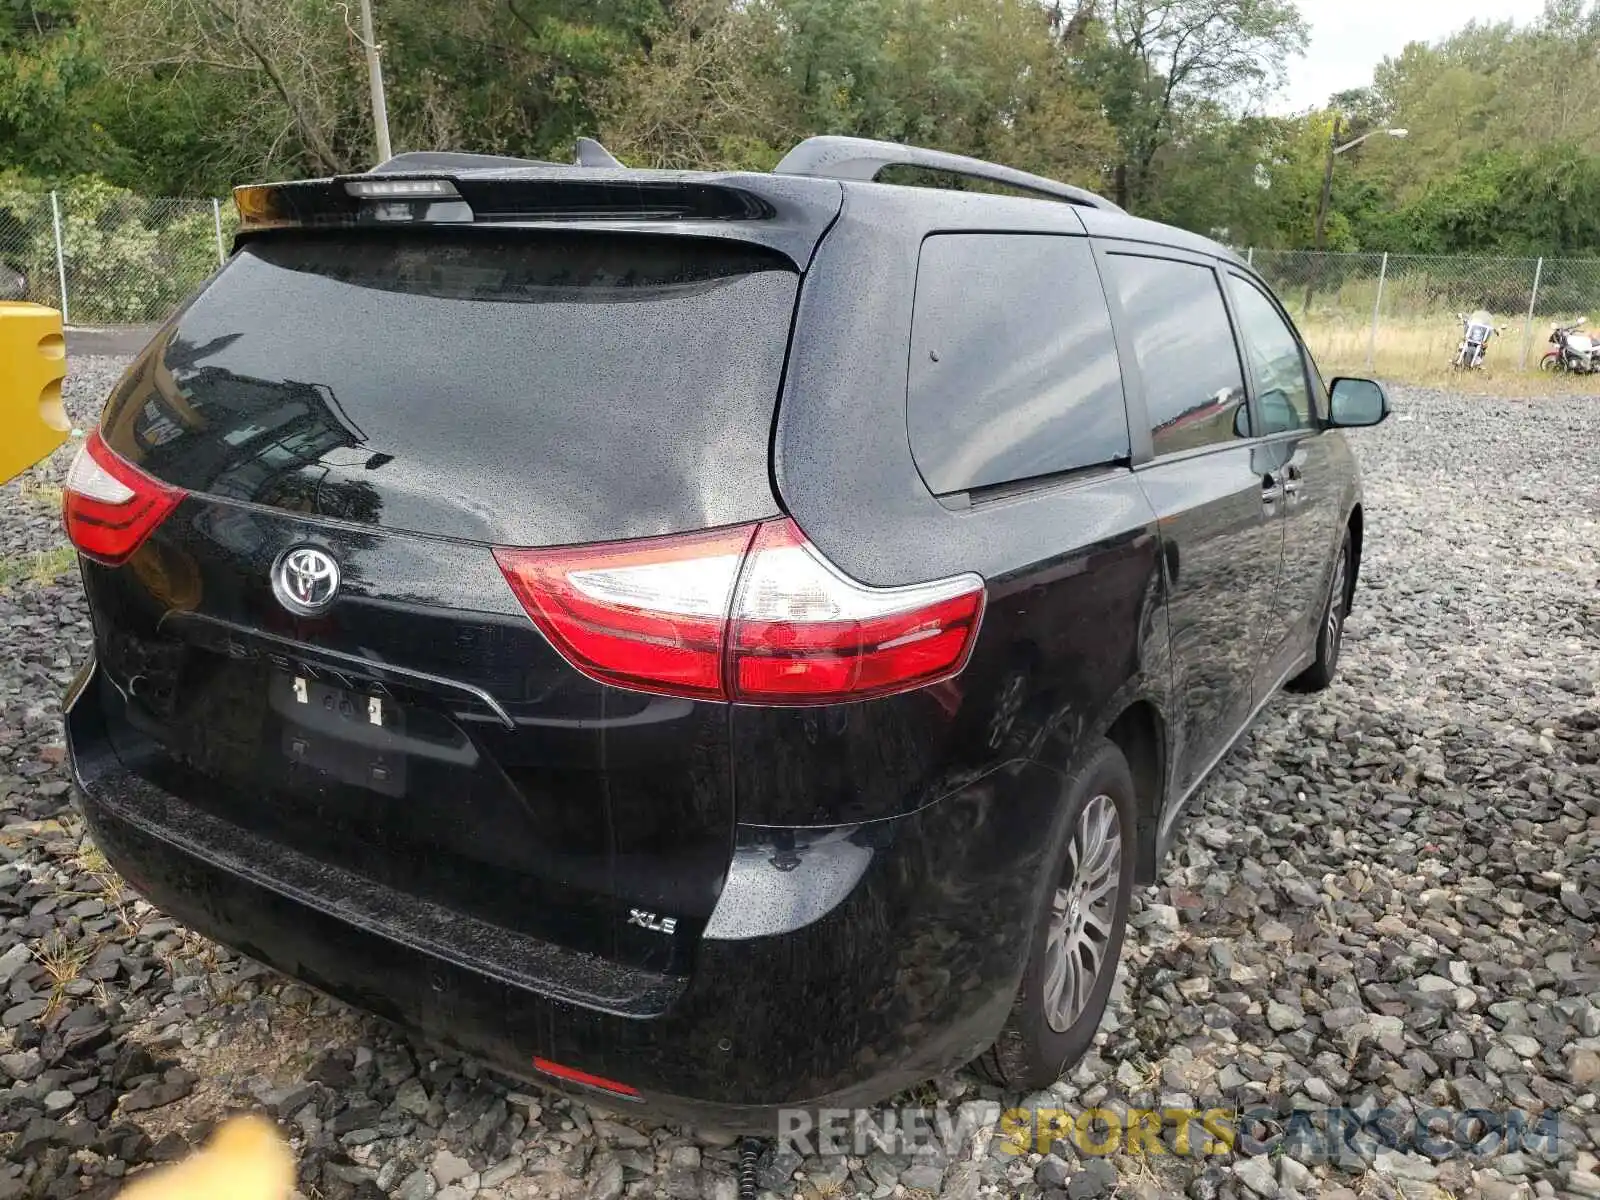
(531, 388)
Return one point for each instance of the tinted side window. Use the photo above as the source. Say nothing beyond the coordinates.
(1193, 384)
(1274, 351)
(1014, 368)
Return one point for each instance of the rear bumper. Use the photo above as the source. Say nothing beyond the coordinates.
(910, 974)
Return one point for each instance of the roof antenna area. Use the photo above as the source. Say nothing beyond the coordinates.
(591, 153)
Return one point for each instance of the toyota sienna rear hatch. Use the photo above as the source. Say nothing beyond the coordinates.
(314, 651)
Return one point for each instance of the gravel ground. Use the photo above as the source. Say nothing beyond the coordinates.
(1387, 900)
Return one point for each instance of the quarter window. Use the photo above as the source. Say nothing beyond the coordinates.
(1193, 384)
(1014, 371)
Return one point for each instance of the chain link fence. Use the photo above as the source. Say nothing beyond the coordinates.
(104, 256)
(1398, 314)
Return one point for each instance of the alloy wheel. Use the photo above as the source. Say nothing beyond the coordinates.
(1337, 601)
(1083, 914)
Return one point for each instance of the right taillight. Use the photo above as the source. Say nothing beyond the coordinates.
(109, 506)
(804, 633)
(752, 613)
(649, 615)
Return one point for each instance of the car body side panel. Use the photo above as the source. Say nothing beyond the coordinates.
(1309, 525)
(1223, 555)
(840, 448)
(1323, 486)
(1315, 516)
(1062, 638)
(1075, 627)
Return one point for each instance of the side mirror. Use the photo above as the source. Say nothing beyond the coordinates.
(1357, 403)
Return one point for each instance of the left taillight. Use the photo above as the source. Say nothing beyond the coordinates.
(751, 613)
(109, 506)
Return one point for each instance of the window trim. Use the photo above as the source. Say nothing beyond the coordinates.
(1133, 376)
(1057, 482)
(1307, 367)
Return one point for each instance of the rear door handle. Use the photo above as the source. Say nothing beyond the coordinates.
(1272, 489)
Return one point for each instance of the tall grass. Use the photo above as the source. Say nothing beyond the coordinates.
(37, 567)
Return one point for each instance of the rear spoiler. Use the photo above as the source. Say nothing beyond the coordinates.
(383, 199)
(787, 214)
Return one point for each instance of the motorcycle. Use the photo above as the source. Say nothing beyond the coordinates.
(1477, 329)
(1574, 352)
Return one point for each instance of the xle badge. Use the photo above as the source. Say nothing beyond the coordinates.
(649, 920)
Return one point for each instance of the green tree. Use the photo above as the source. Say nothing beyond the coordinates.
(709, 93)
(736, 84)
(1158, 63)
(1240, 180)
(293, 68)
(505, 76)
(48, 63)
(1545, 200)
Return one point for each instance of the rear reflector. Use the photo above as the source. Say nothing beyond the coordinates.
(109, 506)
(752, 613)
(573, 1075)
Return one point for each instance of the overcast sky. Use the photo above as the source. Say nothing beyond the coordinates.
(1350, 37)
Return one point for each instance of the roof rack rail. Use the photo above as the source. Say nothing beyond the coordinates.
(451, 160)
(864, 159)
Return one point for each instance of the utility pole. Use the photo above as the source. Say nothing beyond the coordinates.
(380, 108)
(1314, 276)
(1327, 181)
(1334, 149)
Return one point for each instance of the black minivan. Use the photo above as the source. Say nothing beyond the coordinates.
(723, 640)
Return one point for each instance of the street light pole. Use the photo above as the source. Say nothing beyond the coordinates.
(1327, 181)
(380, 107)
(1334, 148)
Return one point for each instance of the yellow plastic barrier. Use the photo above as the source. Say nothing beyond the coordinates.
(245, 1159)
(33, 361)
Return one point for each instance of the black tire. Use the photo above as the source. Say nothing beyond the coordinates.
(1330, 631)
(1031, 1053)
(1553, 362)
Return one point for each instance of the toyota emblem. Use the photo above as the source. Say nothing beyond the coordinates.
(306, 579)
